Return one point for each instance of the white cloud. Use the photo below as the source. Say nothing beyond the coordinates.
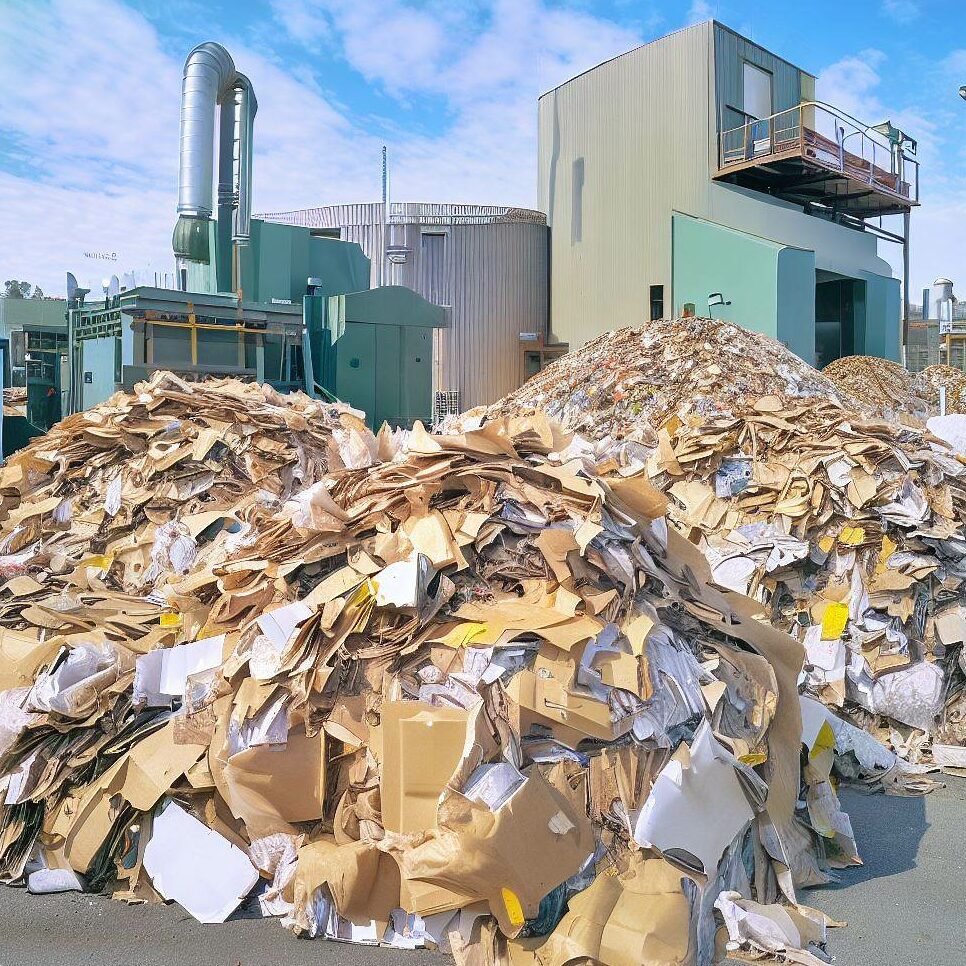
(487, 73)
(92, 139)
(699, 11)
(96, 135)
(901, 11)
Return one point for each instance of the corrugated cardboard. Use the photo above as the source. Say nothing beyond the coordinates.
(271, 786)
(511, 858)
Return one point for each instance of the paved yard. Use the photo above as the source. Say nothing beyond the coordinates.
(907, 904)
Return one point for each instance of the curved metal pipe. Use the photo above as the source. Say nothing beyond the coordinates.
(208, 73)
(244, 107)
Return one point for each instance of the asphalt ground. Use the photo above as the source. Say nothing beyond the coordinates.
(906, 905)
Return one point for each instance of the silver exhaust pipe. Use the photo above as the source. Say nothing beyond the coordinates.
(208, 74)
(209, 80)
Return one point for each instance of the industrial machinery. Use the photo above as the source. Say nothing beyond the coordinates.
(255, 300)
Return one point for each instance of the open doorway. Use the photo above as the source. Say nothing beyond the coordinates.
(839, 303)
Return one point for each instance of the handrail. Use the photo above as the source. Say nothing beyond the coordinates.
(850, 146)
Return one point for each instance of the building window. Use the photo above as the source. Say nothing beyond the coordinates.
(757, 102)
(577, 201)
(657, 302)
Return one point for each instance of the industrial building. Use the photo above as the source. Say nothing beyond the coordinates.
(33, 344)
(698, 173)
(937, 329)
(695, 174)
(488, 266)
(270, 302)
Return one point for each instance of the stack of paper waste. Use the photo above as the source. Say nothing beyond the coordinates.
(929, 381)
(467, 697)
(115, 503)
(632, 378)
(881, 385)
(847, 528)
(14, 401)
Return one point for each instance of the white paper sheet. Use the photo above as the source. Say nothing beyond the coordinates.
(195, 867)
(162, 674)
(695, 810)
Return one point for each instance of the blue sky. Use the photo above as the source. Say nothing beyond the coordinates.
(89, 93)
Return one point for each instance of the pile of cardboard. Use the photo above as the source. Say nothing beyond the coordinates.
(465, 696)
(848, 529)
(14, 401)
(882, 386)
(625, 382)
(113, 504)
(929, 381)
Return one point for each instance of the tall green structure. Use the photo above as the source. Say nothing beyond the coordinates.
(306, 320)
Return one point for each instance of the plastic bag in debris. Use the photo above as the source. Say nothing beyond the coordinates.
(174, 550)
(13, 717)
(73, 683)
(784, 931)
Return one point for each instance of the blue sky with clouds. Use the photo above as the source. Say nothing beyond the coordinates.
(89, 97)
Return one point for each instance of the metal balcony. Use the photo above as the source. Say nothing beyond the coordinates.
(814, 154)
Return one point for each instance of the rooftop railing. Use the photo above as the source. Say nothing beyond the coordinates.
(827, 138)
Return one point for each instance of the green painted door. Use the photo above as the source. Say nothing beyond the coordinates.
(356, 370)
(416, 395)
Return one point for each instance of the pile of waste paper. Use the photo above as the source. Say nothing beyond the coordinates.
(632, 378)
(461, 695)
(848, 529)
(929, 381)
(881, 385)
(14, 401)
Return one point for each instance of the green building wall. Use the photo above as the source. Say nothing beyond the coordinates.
(771, 287)
(98, 358)
(277, 262)
(882, 322)
(796, 301)
(17, 313)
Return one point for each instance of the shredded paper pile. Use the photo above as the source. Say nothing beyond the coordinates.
(447, 691)
(882, 386)
(932, 378)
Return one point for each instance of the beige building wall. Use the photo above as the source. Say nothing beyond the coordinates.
(624, 146)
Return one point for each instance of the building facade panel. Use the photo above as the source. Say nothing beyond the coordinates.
(626, 145)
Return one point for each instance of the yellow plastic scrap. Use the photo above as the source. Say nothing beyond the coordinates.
(824, 741)
(889, 547)
(99, 562)
(514, 910)
(463, 635)
(834, 620)
(852, 536)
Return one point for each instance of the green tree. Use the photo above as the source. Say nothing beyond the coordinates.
(12, 289)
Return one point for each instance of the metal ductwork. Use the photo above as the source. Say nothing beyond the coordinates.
(209, 80)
